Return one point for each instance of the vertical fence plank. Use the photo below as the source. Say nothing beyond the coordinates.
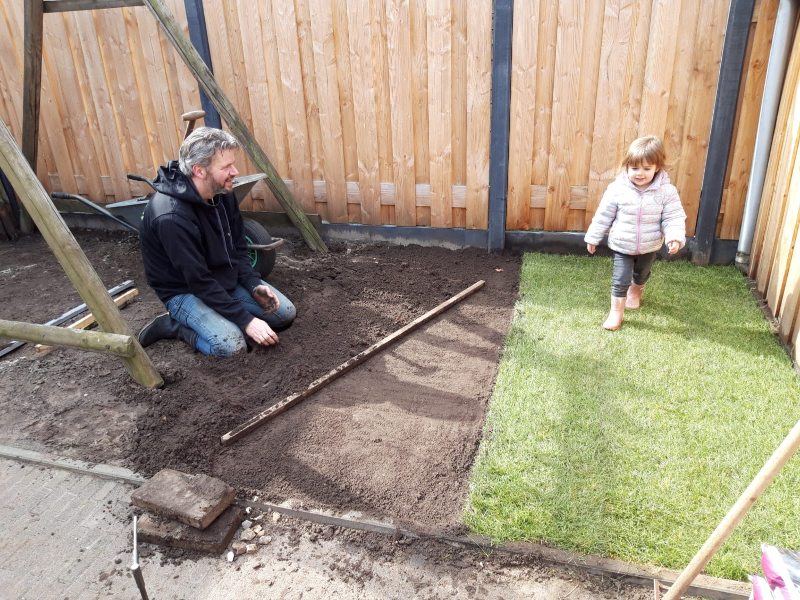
(419, 85)
(272, 64)
(524, 55)
(565, 98)
(118, 66)
(58, 59)
(383, 116)
(257, 83)
(634, 75)
(398, 20)
(786, 115)
(679, 92)
(700, 107)
(100, 97)
(294, 103)
(613, 60)
(154, 121)
(785, 238)
(439, 108)
(341, 33)
(322, 31)
(546, 32)
(788, 315)
(587, 103)
(778, 178)
(479, 89)
(10, 75)
(358, 14)
(53, 121)
(664, 34)
(83, 93)
(748, 121)
(310, 88)
(459, 102)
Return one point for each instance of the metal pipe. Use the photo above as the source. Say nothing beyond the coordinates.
(782, 41)
(135, 570)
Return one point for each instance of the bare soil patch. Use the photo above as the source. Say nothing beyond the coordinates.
(395, 437)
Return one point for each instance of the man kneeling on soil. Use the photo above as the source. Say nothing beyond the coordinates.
(195, 256)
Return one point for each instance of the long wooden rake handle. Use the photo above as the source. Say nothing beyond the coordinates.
(274, 410)
(765, 476)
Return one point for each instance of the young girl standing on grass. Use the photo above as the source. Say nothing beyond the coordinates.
(642, 210)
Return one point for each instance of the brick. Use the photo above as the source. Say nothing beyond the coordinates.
(214, 539)
(192, 499)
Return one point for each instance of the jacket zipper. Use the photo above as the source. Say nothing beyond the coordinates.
(639, 223)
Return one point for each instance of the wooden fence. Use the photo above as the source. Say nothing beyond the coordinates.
(378, 111)
(774, 259)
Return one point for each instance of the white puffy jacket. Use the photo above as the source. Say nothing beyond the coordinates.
(640, 221)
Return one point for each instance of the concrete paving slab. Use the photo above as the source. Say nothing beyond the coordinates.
(192, 499)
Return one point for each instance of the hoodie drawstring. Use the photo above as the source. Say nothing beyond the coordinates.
(222, 231)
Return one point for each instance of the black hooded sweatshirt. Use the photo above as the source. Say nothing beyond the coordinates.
(190, 246)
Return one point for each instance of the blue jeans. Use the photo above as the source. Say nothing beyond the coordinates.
(629, 267)
(216, 336)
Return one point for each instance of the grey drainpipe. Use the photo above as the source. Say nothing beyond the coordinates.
(779, 54)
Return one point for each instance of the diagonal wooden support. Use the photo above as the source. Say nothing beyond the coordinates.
(69, 254)
(273, 411)
(205, 78)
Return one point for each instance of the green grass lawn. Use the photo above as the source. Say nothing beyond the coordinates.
(635, 443)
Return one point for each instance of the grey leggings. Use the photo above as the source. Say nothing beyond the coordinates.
(629, 267)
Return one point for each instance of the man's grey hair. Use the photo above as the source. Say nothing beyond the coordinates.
(201, 145)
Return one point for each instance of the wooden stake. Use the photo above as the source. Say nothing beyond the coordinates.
(94, 341)
(745, 502)
(276, 409)
(206, 79)
(69, 254)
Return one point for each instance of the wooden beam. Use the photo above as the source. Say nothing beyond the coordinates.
(93, 341)
(264, 416)
(7, 222)
(719, 142)
(205, 78)
(31, 90)
(502, 19)
(70, 255)
(56, 6)
(89, 319)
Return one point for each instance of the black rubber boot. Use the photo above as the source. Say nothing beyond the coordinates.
(164, 327)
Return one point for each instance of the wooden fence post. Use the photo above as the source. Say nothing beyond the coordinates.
(198, 33)
(205, 78)
(719, 142)
(31, 91)
(70, 255)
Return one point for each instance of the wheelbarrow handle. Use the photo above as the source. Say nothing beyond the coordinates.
(90, 204)
(135, 177)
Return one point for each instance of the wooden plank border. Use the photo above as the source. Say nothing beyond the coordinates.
(503, 21)
(198, 34)
(733, 55)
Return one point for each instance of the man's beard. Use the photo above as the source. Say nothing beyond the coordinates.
(219, 188)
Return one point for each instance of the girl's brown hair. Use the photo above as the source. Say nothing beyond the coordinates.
(647, 149)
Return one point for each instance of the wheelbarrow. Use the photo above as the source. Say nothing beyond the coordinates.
(260, 245)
